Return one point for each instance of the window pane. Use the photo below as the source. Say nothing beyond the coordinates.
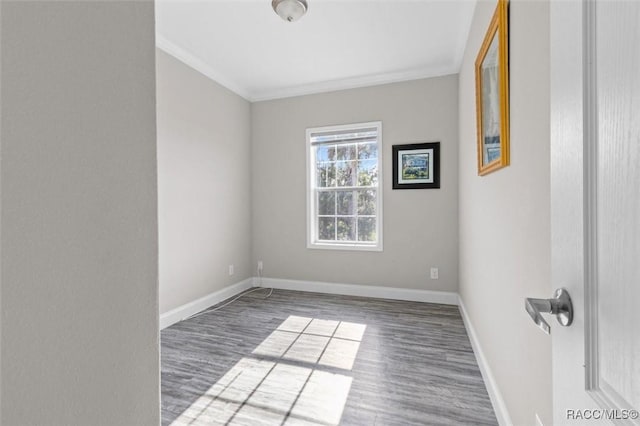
(366, 229)
(326, 203)
(367, 172)
(346, 229)
(367, 202)
(326, 153)
(346, 204)
(346, 152)
(345, 174)
(326, 175)
(326, 228)
(367, 150)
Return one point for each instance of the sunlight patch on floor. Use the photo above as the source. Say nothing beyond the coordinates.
(285, 380)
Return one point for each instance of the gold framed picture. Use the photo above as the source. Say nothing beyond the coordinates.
(492, 93)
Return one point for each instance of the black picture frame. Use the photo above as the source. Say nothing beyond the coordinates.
(416, 166)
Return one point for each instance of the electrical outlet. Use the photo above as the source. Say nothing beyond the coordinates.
(434, 273)
(260, 266)
(231, 271)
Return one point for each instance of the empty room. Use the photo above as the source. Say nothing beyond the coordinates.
(319, 212)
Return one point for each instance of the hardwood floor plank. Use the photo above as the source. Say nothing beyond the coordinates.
(314, 359)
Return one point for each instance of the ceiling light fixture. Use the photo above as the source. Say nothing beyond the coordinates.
(290, 10)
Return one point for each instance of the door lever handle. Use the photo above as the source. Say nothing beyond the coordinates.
(560, 305)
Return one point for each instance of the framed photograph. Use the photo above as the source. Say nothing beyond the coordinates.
(492, 93)
(416, 166)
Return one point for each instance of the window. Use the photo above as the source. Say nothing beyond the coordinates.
(344, 197)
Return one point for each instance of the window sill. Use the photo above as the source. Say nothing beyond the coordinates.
(348, 247)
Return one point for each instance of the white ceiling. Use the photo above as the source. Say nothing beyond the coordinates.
(338, 44)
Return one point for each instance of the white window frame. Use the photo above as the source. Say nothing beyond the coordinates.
(312, 226)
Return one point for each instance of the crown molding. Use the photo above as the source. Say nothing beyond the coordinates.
(353, 83)
(199, 65)
(307, 89)
(463, 42)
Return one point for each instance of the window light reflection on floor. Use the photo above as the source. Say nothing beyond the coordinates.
(299, 375)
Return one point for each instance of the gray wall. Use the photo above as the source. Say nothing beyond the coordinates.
(204, 184)
(79, 214)
(420, 226)
(504, 216)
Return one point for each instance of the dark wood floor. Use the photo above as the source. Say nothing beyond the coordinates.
(312, 359)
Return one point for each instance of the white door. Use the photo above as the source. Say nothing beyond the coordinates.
(595, 215)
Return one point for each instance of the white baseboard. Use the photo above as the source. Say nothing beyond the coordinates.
(181, 312)
(499, 406)
(188, 309)
(413, 295)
